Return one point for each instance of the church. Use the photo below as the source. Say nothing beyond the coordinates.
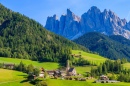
(70, 71)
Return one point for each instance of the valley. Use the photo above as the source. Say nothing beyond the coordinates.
(91, 50)
(51, 65)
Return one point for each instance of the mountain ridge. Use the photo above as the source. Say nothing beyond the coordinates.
(71, 26)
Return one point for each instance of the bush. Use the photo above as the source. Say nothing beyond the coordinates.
(102, 81)
(70, 78)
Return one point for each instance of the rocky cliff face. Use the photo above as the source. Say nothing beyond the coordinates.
(71, 26)
(52, 24)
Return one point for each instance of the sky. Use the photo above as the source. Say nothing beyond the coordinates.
(39, 10)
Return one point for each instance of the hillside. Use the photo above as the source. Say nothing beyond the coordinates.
(22, 37)
(13, 78)
(109, 47)
(46, 65)
(120, 39)
(92, 58)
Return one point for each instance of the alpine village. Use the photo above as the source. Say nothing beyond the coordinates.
(91, 50)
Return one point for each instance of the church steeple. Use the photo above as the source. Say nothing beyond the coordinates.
(67, 65)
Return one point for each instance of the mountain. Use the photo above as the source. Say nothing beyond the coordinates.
(112, 47)
(68, 25)
(22, 37)
(72, 26)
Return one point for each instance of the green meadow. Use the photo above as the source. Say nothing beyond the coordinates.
(15, 78)
(51, 65)
(12, 78)
(46, 65)
(17, 83)
(10, 75)
(84, 69)
(126, 65)
(93, 58)
(53, 82)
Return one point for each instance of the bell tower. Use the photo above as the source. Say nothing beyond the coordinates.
(67, 66)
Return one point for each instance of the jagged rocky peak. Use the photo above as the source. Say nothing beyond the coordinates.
(72, 16)
(72, 26)
(92, 12)
(52, 23)
(55, 17)
(69, 12)
(127, 26)
(105, 14)
(91, 20)
(94, 9)
(124, 21)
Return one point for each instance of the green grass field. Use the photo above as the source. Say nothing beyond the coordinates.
(93, 58)
(46, 65)
(9, 75)
(126, 65)
(12, 78)
(17, 83)
(84, 69)
(53, 82)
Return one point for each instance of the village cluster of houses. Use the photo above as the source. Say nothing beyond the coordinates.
(68, 71)
(64, 73)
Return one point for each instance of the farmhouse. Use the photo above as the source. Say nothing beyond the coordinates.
(105, 79)
(41, 74)
(10, 66)
(50, 73)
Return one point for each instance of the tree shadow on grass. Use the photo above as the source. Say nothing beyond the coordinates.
(24, 81)
(24, 76)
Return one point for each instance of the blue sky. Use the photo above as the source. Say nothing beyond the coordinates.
(39, 10)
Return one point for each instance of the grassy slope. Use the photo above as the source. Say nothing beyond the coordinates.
(84, 69)
(54, 82)
(12, 78)
(94, 58)
(126, 65)
(46, 65)
(9, 75)
(18, 83)
(50, 65)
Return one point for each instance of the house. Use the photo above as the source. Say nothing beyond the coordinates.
(71, 72)
(50, 73)
(41, 74)
(57, 73)
(63, 73)
(10, 66)
(105, 79)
